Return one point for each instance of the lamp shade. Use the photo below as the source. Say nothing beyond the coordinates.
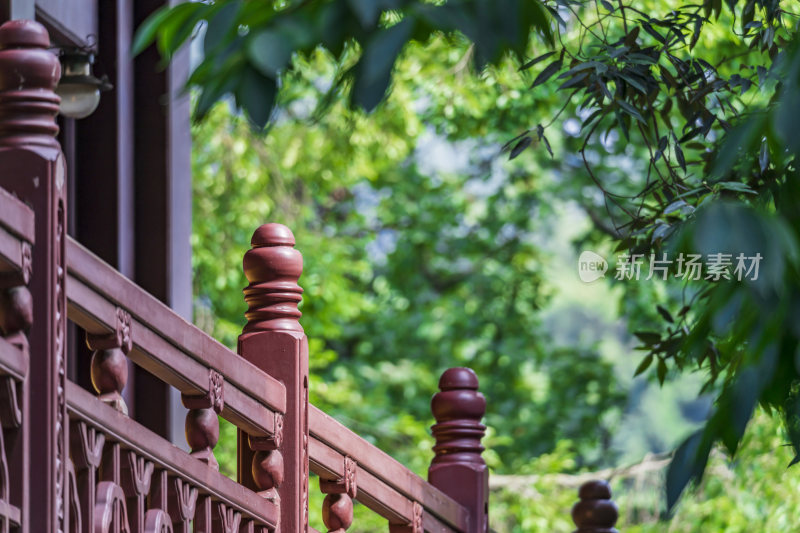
(78, 88)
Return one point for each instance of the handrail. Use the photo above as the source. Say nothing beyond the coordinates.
(84, 406)
(384, 485)
(13, 361)
(16, 216)
(166, 345)
(16, 233)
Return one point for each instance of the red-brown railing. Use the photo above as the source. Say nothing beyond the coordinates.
(74, 461)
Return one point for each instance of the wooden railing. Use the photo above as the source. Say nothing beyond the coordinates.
(74, 461)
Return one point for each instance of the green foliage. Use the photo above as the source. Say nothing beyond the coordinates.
(679, 137)
(751, 492)
(249, 45)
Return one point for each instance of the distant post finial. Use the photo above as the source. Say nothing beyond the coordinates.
(595, 512)
(273, 267)
(458, 468)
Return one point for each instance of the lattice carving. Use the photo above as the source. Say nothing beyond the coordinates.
(157, 521)
(26, 260)
(344, 485)
(182, 503)
(271, 442)
(74, 521)
(213, 399)
(5, 508)
(110, 509)
(10, 411)
(137, 473)
(416, 523)
(227, 520)
(119, 338)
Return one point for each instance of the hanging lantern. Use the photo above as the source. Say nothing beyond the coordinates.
(78, 88)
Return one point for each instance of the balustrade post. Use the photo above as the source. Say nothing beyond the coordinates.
(33, 169)
(595, 512)
(274, 341)
(457, 468)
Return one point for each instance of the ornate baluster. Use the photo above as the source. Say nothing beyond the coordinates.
(182, 504)
(137, 472)
(202, 423)
(87, 454)
(337, 508)
(203, 516)
(226, 520)
(34, 170)
(111, 506)
(16, 317)
(161, 502)
(274, 341)
(595, 512)
(457, 467)
(109, 363)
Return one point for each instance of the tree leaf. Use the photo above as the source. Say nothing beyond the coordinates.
(269, 51)
(374, 69)
(534, 61)
(644, 365)
(520, 147)
(148, 30)
(256, 95)
(687, 465)
(548, 72)
(661, 371)
(665, 314)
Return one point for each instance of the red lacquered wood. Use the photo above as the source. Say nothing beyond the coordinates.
(274, 341)
(165, 456)
(13, 360)
(96, 312)
(331, 441)
(337, 508)
(17, 217)
(458, 468)
(33, 170)
(109, 366)
(595, 512)
(160, 319)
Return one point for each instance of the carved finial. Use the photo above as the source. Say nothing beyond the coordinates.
(272, 267)
(458, 410)
(595, 512)
(28, 75)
